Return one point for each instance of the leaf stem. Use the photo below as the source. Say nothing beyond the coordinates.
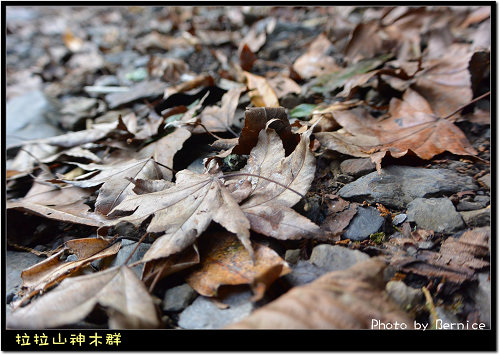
(137, 246)
(265, 178)
(467, 104)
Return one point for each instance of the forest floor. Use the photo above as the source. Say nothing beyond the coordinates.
(247, 167)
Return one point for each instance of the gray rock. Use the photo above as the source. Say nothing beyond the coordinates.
(426, 245)
(367, 221)
(400, 218)
(25, 118)
(303, 273)
(468, 206)
(447, 316)
(486, 181)
(204, 314)
(482, 297)
(125, 250)
(292, 256)
(406, 297)
(483, 200)
(357, 167)
(16, 262)
(397, 186)
(178, 298)
(437, 214)
(334, 257)
(477, 218)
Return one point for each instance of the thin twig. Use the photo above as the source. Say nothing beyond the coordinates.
(467, 104)
(157, 277)
(265, 178)
(137, 246)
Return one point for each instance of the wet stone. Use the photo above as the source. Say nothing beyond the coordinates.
(127, 247)
(397, 186)
(16, 263)
(178, 298)
(437, 214)
(400, 218)
(334, 257)
(367, 221)
(292, 256)
(303, 273)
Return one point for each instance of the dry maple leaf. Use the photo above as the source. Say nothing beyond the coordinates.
(268, 205)
(46, 273)
(185, 210)
(316, 61)
(347, 299)
(261, 93)
(412, 126)
(125, 298)
(225, 261)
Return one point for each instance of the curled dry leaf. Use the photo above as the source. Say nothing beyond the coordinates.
(412, 126)
(114, 179)
(52, 270)
(220, 119)
(125, 298)
(268, 205)
(316, 61)
(226, 262)
(261, 93)
(184, 211)
(347, 299)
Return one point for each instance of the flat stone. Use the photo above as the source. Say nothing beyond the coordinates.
(178, 298)
(367, 221)
(16, 262)
(292, 256)
(125, 250)
(483, 200)
(303, 273)
(405, 296)
(486, 181)
(468, 206)
(25, 118)
(357, 167)
(334, 257)
(437, 214)
(477, 218)
(204, 314)
(400, 218)
(397, 186)
(482, 297)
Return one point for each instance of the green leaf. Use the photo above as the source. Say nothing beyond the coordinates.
(302, 110)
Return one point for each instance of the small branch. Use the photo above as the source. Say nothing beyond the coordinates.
(262, 177)
(467, 104)
(137, 246)
(166, 167)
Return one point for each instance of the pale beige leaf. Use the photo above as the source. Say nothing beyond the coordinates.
(316, 61)
(261, 93)
(118, 290)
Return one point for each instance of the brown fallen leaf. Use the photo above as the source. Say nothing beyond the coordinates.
(114, 180)
(124, 297)
(412, 126)
(340, 213)
(225, 261)
(283, 86)
(247, 58)
(316, 61)
(256, 119)
(184, 211)
(169, 69)
(200, 80)
(220, 119)
(268, 205)
(52, 270)
(347, 299)
(261, 93)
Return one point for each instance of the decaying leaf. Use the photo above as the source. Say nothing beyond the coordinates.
(125, 298)
(316, 61)
(52, 270)
(268, 205)
(261, 93)
(225, 261)
(347, 299)
(184, 211)
(412, 126)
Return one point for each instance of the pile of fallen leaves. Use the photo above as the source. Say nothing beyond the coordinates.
(204, 159)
